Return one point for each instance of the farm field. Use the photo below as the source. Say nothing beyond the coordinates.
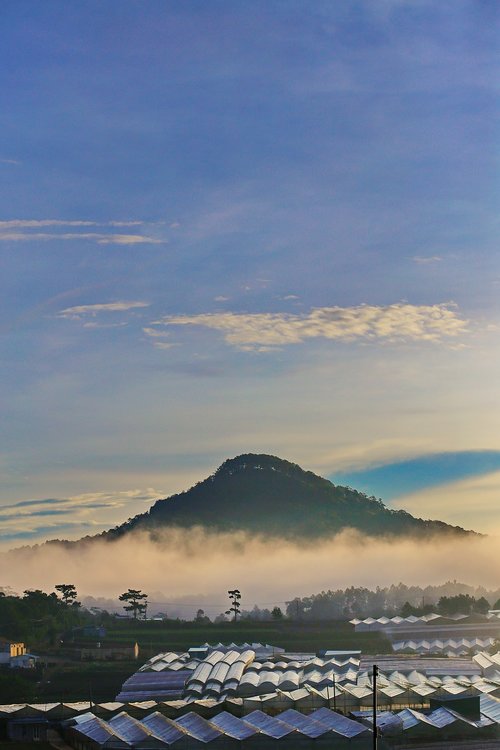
(101, 681)
(173, 635)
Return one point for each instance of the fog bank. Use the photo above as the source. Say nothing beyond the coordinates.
(191, 568)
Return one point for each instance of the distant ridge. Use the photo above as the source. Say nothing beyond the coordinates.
(267, 495)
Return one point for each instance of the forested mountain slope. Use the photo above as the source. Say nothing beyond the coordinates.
(264, 494)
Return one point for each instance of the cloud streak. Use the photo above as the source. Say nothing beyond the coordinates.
(391, 323)
(13, 230)
(157, 338)
(101, 239)
(78, 311)
(34, 223)
(90, 510)
(424, 260)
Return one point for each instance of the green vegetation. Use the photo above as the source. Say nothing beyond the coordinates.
(37, 618)
(235, 607)
(17, 688)
(358, 601)
(176, 635)
(68, 593)
(267, 495)
(136, 602)
(463, 604)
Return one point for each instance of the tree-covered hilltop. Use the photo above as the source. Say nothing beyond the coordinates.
(264, 494)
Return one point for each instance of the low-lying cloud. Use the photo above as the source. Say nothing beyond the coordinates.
(187, 562)
(390, 323)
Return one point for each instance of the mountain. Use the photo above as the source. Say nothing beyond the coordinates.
(267, 495)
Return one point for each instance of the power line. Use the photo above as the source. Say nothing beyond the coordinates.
(209, 604)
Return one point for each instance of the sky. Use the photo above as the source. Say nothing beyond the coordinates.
(232, 227)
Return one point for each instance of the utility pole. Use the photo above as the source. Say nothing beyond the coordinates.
(374, 688)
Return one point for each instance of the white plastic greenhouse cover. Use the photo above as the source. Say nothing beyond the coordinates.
(199, 728)
(164, 728)
(269, 725)
(338, 723)
(237, 728)
(100, 731)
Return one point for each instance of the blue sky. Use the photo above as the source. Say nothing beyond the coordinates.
(230, 227)
(391, 480)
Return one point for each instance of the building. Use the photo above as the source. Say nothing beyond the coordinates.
(14, 654)
(342, 680)
(10, 649)
(453, 635)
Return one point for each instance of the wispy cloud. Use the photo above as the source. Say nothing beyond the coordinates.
(14, 230)
(78, 502)
(95, 324)
(101, 239)
(391, 323)
(155, 333)
(426, 259)
(164, 344)
(34, 223)
(158, 338)
(117, 498)
(91, 510)
(79, 311)
(9, 161)
(128, 239)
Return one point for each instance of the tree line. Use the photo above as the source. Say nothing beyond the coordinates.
(358, 601)
(40, 618)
